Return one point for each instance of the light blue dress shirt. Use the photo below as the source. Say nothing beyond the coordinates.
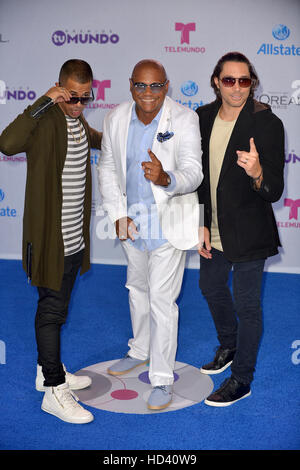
(140, 200)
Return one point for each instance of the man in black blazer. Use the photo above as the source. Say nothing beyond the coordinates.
(243, 160)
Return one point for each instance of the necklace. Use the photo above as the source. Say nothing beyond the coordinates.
(76, 140)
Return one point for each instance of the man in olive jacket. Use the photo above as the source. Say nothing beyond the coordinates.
(243, 160)
(56, 242)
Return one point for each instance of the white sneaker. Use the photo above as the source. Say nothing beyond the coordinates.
(75, 382)
(61, 402)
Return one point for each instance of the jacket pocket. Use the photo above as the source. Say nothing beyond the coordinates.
(253, 230)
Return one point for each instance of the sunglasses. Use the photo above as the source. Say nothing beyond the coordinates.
(154, 87)
(230, 81)
(83, 99)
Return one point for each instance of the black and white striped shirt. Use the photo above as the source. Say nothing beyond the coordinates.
(73, 187)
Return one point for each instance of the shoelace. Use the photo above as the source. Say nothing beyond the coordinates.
(67, 398)
(162, 387)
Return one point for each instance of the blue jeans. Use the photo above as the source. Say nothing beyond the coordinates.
(237, 316)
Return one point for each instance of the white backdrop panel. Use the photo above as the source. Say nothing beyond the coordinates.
(188, 37)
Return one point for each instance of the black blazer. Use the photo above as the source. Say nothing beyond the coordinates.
(246, 220)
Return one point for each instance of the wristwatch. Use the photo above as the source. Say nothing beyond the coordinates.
(168, 180)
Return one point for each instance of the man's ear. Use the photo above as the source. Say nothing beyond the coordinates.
(131, 85)
(216, 80)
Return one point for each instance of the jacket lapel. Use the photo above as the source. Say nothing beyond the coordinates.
(206, 129)
(164, 125)
(121, 135)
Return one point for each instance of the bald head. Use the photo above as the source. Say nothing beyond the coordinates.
(149, 64)
(149, 97)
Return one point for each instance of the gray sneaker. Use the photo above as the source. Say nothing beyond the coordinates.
(125, 365)
(160, 398)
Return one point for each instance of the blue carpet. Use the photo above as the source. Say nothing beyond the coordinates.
(98, 329)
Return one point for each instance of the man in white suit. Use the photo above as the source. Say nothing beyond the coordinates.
(150, 197)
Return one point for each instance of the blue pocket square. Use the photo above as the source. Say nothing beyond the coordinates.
(166, 136)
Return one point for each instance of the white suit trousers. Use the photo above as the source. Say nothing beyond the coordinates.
(154, 280)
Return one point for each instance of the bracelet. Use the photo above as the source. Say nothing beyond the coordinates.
(258, 177)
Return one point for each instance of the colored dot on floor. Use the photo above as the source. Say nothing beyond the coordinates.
(124, 394)
(144, 377)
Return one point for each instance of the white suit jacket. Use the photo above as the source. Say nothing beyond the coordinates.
(178, 210)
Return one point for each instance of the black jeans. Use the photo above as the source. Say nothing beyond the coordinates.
(50, 316)
(237, 318)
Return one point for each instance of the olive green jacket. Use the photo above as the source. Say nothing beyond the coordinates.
(44, 139)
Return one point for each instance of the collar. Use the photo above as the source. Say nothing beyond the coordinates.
(156, 118)
(249, 105)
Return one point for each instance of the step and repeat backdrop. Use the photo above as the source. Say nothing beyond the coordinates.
(188, 37)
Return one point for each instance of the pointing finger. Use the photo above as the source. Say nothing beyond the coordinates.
(152, 156)
(252, 146)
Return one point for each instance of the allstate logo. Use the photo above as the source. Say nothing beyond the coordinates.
(2, 195)
(189, 88)
(280, 32)
(59, 38)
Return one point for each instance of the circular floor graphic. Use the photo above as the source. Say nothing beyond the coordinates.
(129, 393)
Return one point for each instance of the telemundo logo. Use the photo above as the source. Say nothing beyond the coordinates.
(280, 32)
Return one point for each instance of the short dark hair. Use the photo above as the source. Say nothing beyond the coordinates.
(77, 69)
(233, 57)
